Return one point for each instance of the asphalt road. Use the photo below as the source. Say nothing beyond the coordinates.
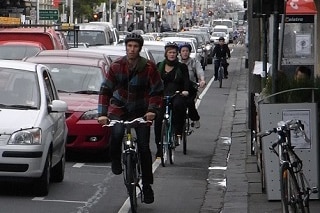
(90, 186)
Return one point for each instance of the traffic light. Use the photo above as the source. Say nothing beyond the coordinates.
(97, 16)
(210, 13)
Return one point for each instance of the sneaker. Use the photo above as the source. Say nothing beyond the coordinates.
(116, 167)
(178, 140)
(215, 78)
(148, 196)
(196, 124)
(226, 76)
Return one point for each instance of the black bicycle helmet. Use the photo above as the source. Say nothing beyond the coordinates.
(134, 37)
(221, 38)
(171, 44)
(186, 44)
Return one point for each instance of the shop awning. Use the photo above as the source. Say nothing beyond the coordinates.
(301, 7)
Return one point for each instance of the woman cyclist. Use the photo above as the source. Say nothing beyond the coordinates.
(175, 77)
(196, 75)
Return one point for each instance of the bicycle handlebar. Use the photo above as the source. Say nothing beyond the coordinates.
(295, 125)
(139, 120)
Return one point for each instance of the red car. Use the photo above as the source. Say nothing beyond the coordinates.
(77, 77)
(18, 50)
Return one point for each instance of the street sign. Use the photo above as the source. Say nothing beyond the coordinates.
(48, 14)
(33, 14)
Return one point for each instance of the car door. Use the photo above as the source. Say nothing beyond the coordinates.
(58, 127)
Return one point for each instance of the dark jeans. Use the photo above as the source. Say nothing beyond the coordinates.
(179, 104)
(192, 111)
(217, 65)
(143, 141)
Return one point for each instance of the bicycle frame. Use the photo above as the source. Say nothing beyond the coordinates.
(167, 142)
(221, 71)
(131, 159)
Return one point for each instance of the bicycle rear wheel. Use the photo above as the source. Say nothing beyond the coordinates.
(220, 75)
(131, 180)
(171, 149)
(291, 200)
(164, 143)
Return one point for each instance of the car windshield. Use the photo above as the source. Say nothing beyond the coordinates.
(17, 52)
(76, 78)
(19, 89)
(91, 37)
(158, 55)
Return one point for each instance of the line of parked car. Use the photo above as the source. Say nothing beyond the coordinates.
(50, 81)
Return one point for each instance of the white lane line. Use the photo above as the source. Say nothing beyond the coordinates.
(60, 201)
(78, 165)
(204, 92)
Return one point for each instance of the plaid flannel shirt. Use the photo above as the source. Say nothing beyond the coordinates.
(130, 96)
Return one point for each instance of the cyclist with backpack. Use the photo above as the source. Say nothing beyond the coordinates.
(175, 77)
(222, 52)
(196, 75)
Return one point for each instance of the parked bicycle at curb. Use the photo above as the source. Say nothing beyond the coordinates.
(131, 159)
(294, 187)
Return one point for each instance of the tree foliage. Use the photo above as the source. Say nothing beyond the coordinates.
(84, 9)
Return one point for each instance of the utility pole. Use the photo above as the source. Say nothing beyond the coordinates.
(125, 16)
(144, 17)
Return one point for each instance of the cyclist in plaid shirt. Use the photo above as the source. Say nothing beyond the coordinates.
(132, 88)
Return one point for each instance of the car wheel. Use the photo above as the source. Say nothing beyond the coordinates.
(42, 185)
(57, 173)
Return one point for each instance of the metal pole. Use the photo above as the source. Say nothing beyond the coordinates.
(110, 12)
(144, 16)
(265, 49)
(125, 16)
(275, 50)
(38, 5)
(71, 12)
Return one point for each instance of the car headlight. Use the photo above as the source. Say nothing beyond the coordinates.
(90, 115)
(26, 137)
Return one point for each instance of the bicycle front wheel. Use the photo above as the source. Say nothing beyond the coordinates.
(164, 143)
(220, 75)
(290, 192)
(131, 180)
(184, 135)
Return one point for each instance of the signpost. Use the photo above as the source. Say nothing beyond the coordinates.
(48, 15)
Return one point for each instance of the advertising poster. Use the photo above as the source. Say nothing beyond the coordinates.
(297, 139)
(303, 44)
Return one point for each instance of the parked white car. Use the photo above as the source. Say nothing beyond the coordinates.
(33, 130)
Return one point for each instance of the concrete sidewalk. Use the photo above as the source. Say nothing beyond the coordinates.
(243, 180)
